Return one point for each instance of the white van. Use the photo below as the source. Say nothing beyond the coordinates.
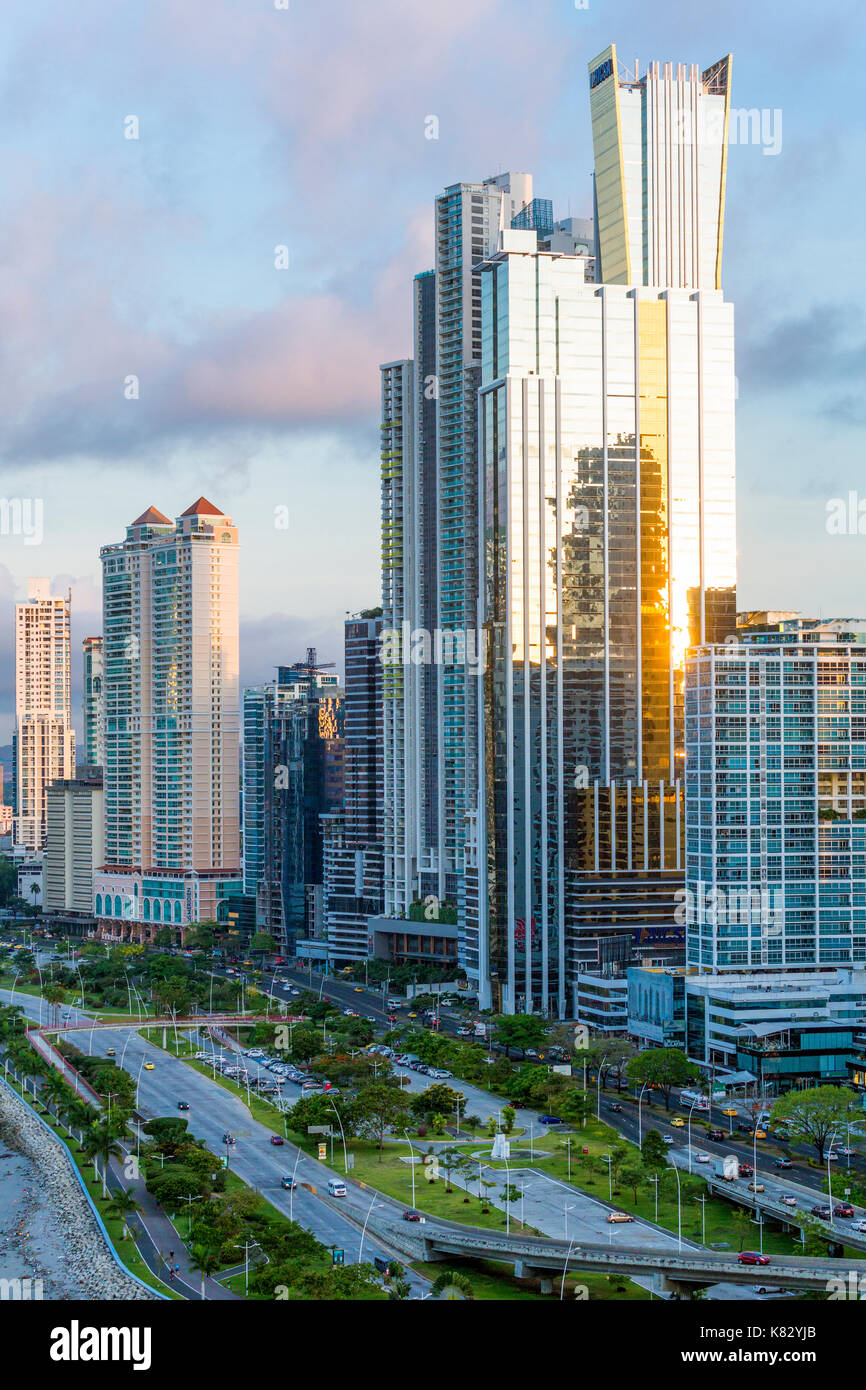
(336, 1188)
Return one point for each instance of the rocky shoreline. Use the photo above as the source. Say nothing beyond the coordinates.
(47, 1230)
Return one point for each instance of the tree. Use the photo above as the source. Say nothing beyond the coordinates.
(437, 1099)
(521, 1031)
(610, 1055)
(54, 995)
(378, 1108)
(662, 1067)
(575, 1106)
(206, 1261)
(654, 1152)
(123, 1204)
(452, 1284)
(102, 1143)
(508, 1117)
(632, 1174)
(817, 1114)
(263, 943)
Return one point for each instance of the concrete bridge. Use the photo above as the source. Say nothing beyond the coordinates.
(681, 1272)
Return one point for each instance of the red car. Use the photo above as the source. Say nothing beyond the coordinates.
(276, 1139)
(751, 1257)
(843, 1209)
(411, 1216)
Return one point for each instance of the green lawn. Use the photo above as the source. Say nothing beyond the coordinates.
(492, 1281)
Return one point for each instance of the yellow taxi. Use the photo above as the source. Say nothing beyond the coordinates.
(760, 1134)
(412, 1015)
(148, 1066)
(359, 989)
(678, 1123)
(731, 1112)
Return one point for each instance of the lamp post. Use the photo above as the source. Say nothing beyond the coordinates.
(679, 1209)
(639, 1117)
(691, 1108)
(364, 1227)
(565, 1270)
(412, 1164)
(829, 1173)
(598, 1087)
(606, 1158)
(189, 1201)
(703, 1202)
(655, 1182)
(565, 1212)
(342, 1134)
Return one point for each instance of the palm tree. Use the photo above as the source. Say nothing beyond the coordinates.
(123, 1204)
(206, 1261)
(101, 1143)
(53, 1091)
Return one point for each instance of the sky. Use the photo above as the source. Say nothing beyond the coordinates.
(301, 124)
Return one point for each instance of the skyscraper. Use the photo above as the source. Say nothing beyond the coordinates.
(607, 548)
(171, 712)
(293, 775)
(44, 743)
(91, 696)
(353, 836)
(776, 794)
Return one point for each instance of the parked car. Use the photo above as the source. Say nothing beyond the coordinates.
(751, 1257)
(615, 1218)
(550, 1120)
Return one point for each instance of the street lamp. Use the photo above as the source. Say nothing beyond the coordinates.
(609, 1161)
(655, 1182)
(565, 1212)
(691, 1108)
(639, 1118)
(342, 1133)
(364, 1227)
(679, 1209)
(565, 1270)
(412, 1163)
(703, 1202)
(598, 1087)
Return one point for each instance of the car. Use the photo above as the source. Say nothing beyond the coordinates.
(359, 989)
(751, 1257)
(411, 1216)
(464, 1032)
(110, 1052)
(783, 1135)
(788, 1199)
(843, 1209)
(183, 1105)
(336, 1187)
(411, 1015)
(550, 1120)
(760, 1134)
(756, 1187)
(859, 1226)
(784, 1163)
(743, 1127)
(746, 1170)
(288, 1183)
(667, 1138)
(833, 1156)
(148, 1066)
(717, 1135)
(848, 1153)
(614, 1218)
(228, 1138)
(821, 1210)
(277, 1139)
(730, 1112)
(678, 1123)
(616, 1109)
(702, 1158)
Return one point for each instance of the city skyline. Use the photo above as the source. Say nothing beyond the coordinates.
(799, 424)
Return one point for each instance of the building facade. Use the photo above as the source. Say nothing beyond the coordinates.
(293, 775)
(353, 860)
(776, 797)
(74, 846)
(170, 723)
(91, 695)
(43, 741)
